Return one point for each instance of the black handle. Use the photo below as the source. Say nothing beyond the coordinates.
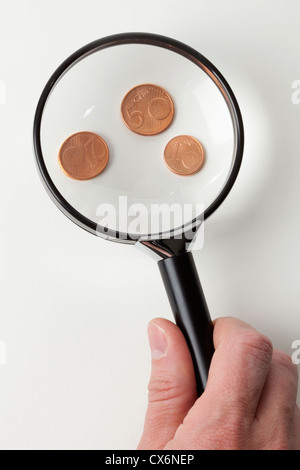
(190, 310)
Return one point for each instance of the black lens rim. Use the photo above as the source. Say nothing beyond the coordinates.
(155, 40)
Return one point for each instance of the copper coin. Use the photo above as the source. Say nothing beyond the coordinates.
(184, 155)
(147, 109)
(83, 156)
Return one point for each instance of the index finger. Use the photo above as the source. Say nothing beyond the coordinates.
(239, 367)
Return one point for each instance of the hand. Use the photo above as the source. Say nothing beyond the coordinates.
(249, 401)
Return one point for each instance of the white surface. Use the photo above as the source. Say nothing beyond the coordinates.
(74, 308)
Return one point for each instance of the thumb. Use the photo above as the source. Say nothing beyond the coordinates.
(172, 387)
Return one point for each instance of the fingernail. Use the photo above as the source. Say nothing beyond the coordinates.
(157, 340)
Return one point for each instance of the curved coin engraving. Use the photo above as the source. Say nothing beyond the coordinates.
(184, 155)
(83, 156)
(147, 109)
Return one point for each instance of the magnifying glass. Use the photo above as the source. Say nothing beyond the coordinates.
(138, 139)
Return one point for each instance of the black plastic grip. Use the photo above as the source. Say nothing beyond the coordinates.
(190, 311)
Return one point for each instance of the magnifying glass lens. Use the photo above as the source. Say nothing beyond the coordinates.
(135, 129)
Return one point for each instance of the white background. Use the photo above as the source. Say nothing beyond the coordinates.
(74, 308)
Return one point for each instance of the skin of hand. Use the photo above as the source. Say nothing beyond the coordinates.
(249, 401)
